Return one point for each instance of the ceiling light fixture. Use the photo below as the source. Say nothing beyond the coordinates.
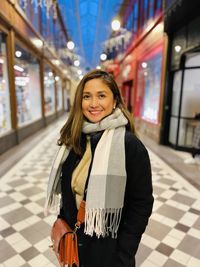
(115, 25)
(56, 62)
(18, 53)
(177, 48)
(70, 45)
(144, 65)
(103, 56)
(37, 42)
(76, 63)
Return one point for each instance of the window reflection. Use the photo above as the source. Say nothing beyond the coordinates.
(59, 92)
(5, 120)
(149, 87)
(27, 86)
(49, 91)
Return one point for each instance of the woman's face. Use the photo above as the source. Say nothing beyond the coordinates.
(98, 100)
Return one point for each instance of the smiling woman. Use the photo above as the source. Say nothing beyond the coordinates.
(98, 100)
(103, 163)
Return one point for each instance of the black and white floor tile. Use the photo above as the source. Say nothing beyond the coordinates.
(172, 238)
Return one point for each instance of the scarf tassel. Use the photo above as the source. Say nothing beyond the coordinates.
(102, 221)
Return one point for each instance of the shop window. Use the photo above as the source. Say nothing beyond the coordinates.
(5, 116)
(27, 86)
(66, 95)
(173, 130)
(185, 102)
(59, 92)
(190, 105)
(49, 91)
(149, 87)
(176, 91)
(192, 60)
(191, 93)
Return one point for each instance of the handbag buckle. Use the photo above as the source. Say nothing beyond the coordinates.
(77, 226)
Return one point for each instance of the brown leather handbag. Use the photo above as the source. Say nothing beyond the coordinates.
(64, 239)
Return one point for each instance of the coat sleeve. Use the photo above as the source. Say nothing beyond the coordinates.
(138, 203)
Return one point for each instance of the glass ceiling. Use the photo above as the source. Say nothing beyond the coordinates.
(88, 23)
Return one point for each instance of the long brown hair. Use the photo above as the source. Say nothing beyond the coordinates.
(70, 133)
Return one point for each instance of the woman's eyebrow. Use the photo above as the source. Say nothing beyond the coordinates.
(99, 92)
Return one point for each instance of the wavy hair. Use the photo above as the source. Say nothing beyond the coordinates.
(70, 133)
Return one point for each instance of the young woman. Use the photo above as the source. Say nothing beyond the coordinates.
(103, 162)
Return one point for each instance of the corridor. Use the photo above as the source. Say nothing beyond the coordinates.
(172, 238)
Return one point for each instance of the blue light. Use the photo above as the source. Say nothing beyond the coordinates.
(88, 23)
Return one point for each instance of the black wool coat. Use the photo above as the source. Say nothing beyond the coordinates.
(138, 202)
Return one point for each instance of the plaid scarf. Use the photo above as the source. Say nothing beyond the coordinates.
(107, 180)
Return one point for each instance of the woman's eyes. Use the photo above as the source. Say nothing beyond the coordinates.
(86, 97)
(100, 96)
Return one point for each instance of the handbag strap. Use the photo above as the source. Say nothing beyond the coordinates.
(80, 216)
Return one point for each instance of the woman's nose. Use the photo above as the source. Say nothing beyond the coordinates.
(94, 102)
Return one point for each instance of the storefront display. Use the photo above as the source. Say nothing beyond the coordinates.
(185, 102)
(149, 87)
(27, 86)
(5, 116)
(59, 92)
(175, 106)
(49, 91)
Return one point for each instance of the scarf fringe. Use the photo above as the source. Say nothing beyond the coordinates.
(102, 221)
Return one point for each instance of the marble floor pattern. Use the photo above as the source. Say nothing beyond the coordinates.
(172, 238)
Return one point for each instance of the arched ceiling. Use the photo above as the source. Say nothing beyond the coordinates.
(88, 23)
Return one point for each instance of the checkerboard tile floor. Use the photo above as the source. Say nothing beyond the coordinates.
(172, 238)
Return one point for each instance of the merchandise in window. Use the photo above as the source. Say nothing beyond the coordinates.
(5, 116)
(49, 91)
(149, 87)
(27, 86)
